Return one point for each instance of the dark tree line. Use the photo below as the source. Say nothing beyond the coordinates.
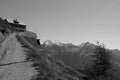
(101, 65)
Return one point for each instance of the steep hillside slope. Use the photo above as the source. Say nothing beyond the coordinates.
(22, 58)
(46, 66)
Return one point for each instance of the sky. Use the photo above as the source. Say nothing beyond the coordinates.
(68, 21)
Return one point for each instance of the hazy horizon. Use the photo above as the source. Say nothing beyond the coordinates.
(68, 21)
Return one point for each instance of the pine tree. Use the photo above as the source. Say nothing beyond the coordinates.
(102, 62)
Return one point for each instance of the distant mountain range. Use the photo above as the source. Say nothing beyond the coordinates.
(79, 57)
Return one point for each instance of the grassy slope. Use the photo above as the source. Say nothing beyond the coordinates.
(48, 68)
